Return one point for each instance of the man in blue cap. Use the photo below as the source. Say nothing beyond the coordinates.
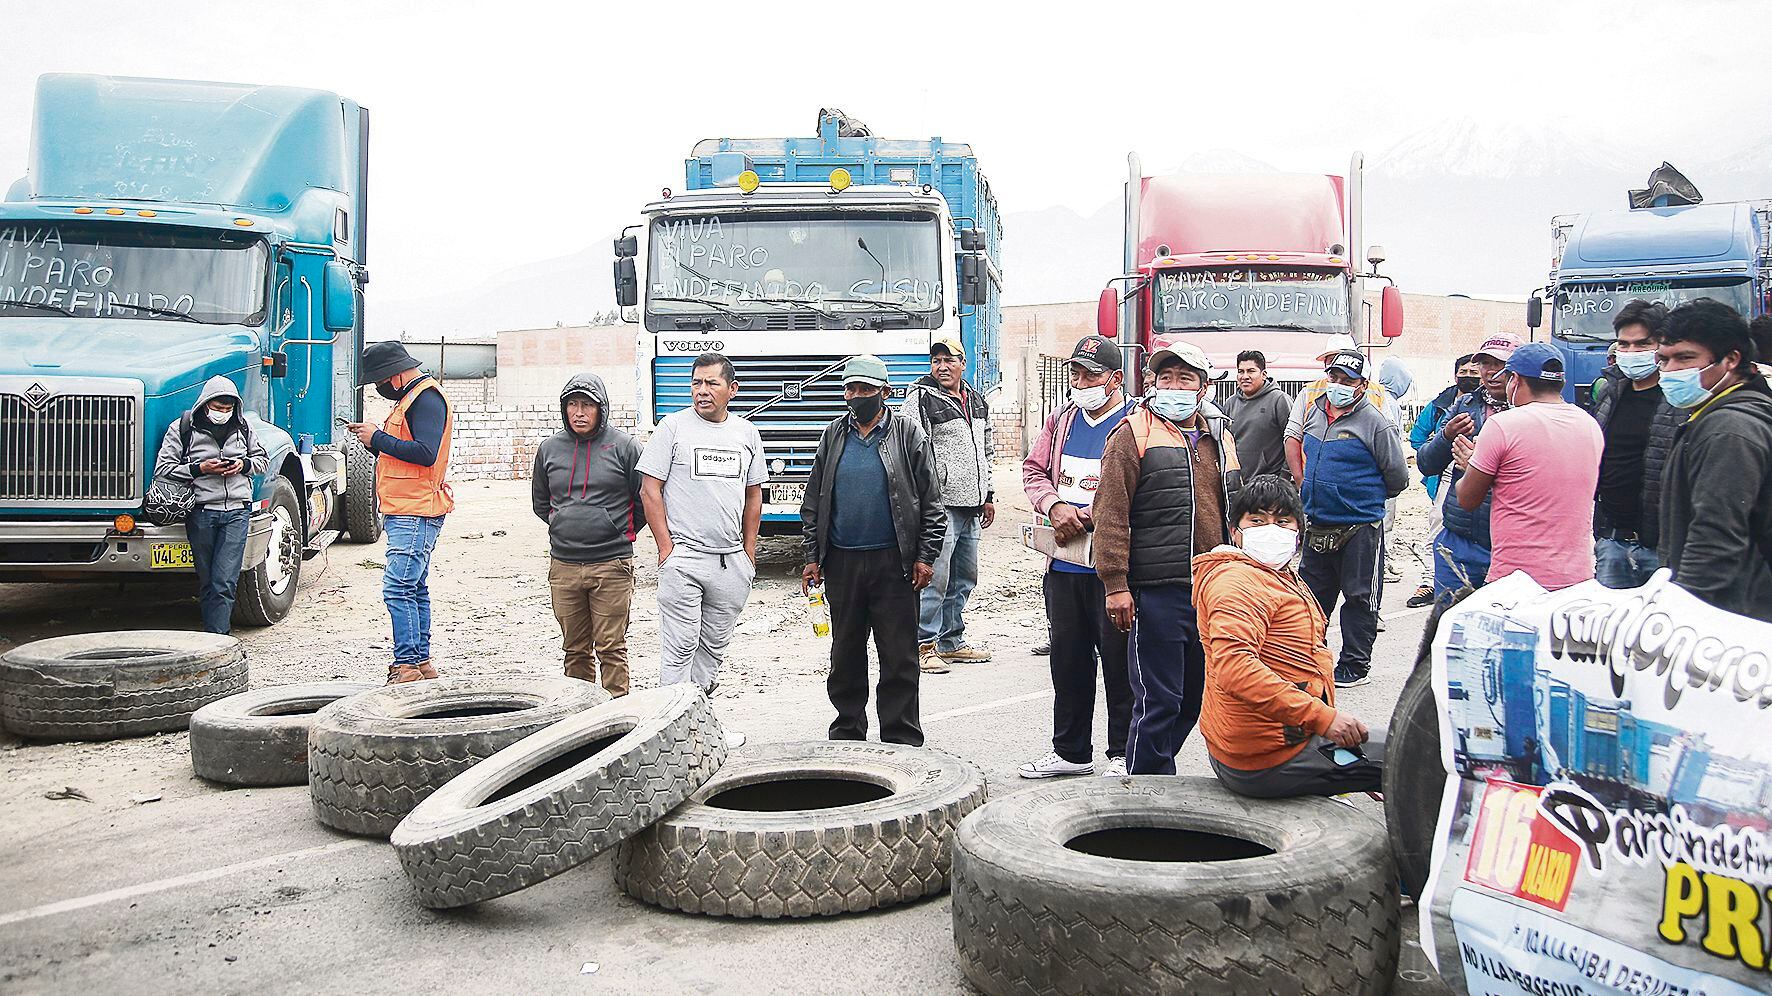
(1541, 458)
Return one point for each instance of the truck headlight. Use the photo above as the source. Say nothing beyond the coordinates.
(778, 466)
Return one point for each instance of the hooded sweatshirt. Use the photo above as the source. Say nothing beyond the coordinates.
(1270, 680)
(1258, 423)
(232, 440)
(587, 488)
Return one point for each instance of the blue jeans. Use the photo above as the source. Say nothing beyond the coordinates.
(941, 605)
(1622, 564)
(1458, 563)
(218, 545)
(411, 541)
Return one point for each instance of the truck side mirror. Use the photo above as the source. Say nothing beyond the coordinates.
(627, 282)
(973, 288)
(971, 240)
(1107, 314)
(340, 299)
(1390, 312)
(627, 247)
(1534, 311)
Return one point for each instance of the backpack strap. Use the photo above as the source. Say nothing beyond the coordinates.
(184, 435)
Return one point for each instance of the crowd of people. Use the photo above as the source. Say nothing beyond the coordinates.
(1196, 550)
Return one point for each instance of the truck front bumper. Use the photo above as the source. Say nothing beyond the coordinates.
(68, 551)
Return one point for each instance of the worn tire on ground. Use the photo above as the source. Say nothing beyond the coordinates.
(559, 797)
(1032, 915)
(889, 842)
(260, 737)
(1414, 776)
(373, 757)
(100, 686)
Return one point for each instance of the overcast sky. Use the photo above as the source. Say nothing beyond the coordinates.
(506, 133)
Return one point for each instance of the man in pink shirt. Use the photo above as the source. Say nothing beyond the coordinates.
(1542, 459)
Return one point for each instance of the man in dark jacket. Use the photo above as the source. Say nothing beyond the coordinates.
(1639, 426)
(871, 526)
(1462, 546)
(1716, 510)
(1258, 411)
(1168, 476)
(586, 487)
(1353, 463)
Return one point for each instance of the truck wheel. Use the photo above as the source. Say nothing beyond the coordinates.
(267, 592)
(373, 757)
(261, 737)
(806, 829)
(1414, 777)
(362, 509)
(1162, 884)
(100, 686)
(560, 797)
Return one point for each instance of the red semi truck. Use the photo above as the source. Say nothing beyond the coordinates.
(1262, 261)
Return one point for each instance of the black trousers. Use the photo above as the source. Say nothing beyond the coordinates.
(1355, 575)
(1076, 613)
(868, 592)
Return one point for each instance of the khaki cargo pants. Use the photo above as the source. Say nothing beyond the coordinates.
(591, 601)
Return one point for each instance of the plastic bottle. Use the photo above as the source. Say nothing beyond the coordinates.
(818, 610)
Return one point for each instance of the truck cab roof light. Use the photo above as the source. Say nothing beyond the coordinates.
(82, 210)
(147, 214)
(840, 180)
(114, 212)
(243, 222)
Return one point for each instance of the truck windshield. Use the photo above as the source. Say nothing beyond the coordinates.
(1251, 298)
(742, 261)
(1584, 311)
(126, 271)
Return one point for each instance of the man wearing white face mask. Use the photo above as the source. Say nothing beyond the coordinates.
(1168, 476)
(1269, 716)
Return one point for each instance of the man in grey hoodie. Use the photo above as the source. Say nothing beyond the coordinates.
(586, 487)
(213, 449)
(1258, 411)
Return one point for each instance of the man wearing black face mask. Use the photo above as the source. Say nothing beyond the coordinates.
(872, 526)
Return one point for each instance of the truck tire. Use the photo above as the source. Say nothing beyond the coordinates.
(373, 757)
(1414, 776)
(361, 507)
(261, 737)
(267, 591)
(559, 797)
(806, 829)
(1162, 884)
(100, 686)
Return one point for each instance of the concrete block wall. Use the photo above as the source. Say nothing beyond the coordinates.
(497, 441)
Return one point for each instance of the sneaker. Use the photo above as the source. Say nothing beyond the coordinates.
(966, 654)
(1116, 768)
(400, 674)
(1348, 678)
(1043, 649)
(1051, 766)
(1424, 595)
(929, 661)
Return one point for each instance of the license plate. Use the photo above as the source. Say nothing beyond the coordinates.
(787, 494)
(170, 556)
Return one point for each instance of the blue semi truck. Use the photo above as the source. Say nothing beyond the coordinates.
(166, 232)
(1666, 252)
(790, 255)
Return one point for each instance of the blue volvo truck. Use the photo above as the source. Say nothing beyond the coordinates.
(790, 255)
(1667, 253)
(166, 232)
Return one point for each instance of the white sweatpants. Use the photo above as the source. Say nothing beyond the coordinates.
(700, 596)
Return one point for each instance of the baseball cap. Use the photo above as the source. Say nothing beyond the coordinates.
(1184, 351)
(1501, 346)
(950, 343)
(1096, 353)
(1537, 359)
(865, 368)
(1348, 361)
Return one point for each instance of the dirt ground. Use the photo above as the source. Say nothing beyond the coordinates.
(162, 882)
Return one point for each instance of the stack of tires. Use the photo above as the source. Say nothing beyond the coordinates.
(103, 686)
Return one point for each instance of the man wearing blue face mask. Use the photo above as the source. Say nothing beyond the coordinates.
(1353, 462)
(1639, 426)
(1168, 476)
(1716, 510)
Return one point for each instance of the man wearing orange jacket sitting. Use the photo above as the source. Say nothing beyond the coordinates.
(1269, 717)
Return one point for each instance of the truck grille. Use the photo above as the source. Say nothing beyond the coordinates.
(68, 448)
(790, 427)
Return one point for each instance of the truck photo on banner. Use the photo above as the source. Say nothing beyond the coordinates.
(1604, 824)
